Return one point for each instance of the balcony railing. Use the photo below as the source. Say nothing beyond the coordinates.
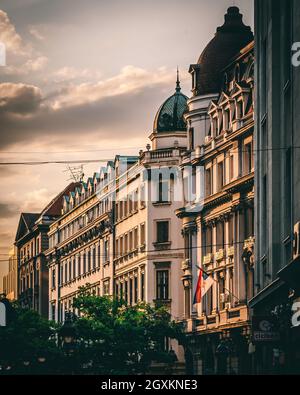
(219, 255)
(207, 259)
(161, 246)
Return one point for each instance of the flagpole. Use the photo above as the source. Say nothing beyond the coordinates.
(216, 281)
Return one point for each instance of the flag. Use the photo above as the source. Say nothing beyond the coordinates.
(203, 284)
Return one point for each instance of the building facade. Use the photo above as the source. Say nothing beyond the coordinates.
(118, 233)
(10, 280)
(80, 249)
(31, 243)
(277, 126)
(218, 222)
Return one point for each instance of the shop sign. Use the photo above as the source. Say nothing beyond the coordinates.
(264, 329)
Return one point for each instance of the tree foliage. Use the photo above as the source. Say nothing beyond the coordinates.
(122, 339)
(109, 337)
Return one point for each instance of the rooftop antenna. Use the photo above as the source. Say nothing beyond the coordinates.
(75, 172)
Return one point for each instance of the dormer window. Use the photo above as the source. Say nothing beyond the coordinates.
(215, 126)
(226, 119)
(239, 109)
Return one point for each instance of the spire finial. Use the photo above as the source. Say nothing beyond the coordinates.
(178, 88)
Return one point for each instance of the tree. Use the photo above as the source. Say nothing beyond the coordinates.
(28, 343)
(114, 338)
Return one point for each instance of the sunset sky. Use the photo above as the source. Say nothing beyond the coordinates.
(83, 80)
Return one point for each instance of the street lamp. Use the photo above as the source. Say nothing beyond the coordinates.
(67, 336)
(68, 333)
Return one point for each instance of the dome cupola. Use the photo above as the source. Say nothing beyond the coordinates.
(169, 117)
(229, 39)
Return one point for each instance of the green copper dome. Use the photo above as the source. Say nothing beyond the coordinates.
(169, 117)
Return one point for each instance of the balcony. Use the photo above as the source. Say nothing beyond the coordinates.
(219, 255)
(162, 246)
(164, 154)
(207, 259)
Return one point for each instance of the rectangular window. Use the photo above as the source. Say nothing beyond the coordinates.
(53, 278)
(220, 179)
(231, 167)
(89, 260)
(74, 267)
(99, 255)
(142, 287)
(94, 258)
(220, 235)
(230, 229)
(106, 288)
(131, 292)
(79, 265)
(106, 251)
(143, 239)
(142, 196)
(249, 216)
(247, 158)
(136, 237)
(126, 244)
(126, 292)
(163, 190)
(135, 289)
(162, 285)
(208, 240)
(130, 205)
(208, 182)
(239, 107)
(61, 280)
(117, 248)
(226, 119)
(162, 231)
(53, 312)
(70, 270)
(117, 212)
(84, 263)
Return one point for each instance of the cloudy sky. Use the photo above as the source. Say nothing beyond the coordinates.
(83, 80)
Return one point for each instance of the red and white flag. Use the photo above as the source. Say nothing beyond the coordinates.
(204, 283)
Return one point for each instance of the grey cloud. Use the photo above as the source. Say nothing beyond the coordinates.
(19, 99)
(7, 210)
(129, 114)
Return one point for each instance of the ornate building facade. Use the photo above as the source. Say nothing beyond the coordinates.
(118, 233)
(81, 243)
(218, 223)
(31, 243)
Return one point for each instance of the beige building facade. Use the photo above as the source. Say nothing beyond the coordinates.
(118, 233)
(218, 224)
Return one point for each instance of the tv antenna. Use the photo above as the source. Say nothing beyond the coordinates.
(76, 173)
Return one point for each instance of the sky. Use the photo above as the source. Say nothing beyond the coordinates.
(83, 79)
